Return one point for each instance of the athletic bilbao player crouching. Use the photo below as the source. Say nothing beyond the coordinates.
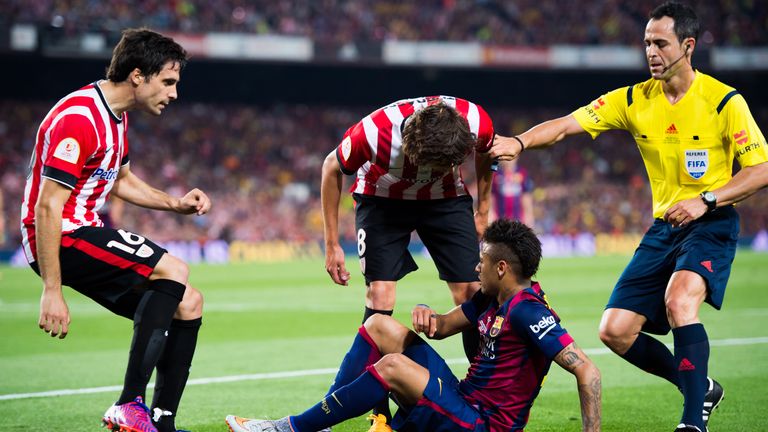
(520, 337)
(81, 155)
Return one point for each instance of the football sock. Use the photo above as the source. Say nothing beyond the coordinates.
(652, 356)
(383, 407)
(691, 356)
(173, 370)
(471, 340)
(361, 354)
(347, 402)
(150, 330)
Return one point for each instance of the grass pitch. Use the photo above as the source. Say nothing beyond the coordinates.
(264, 321)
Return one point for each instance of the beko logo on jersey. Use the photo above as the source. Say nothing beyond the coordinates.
(544, 322)
(109, 174)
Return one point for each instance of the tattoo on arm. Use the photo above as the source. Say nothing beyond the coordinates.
(589, 395)
(569, 358)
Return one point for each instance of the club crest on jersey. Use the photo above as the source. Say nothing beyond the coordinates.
(696, 163)
(346, 148)
(67, 150)
(496, 328)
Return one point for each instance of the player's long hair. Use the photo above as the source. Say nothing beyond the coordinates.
(515, 243)
(437, 136)
(146, 50)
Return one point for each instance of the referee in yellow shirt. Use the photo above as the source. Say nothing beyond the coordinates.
(689, 127)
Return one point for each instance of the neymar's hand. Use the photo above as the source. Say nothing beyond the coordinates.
(424, 320)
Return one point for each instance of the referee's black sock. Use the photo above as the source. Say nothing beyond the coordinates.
(173, 370)
(692, 358)
(652, 356)
(150, 330)
(383, 406)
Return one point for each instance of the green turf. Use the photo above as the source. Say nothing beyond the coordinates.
(289, 317)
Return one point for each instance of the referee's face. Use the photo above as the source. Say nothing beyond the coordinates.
(663, 51)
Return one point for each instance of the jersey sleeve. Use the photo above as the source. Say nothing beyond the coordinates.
(607, 112)
(476, 305)
(540, 326)
(72, 142)
(485, 132)
(742, 132)
(354, 151)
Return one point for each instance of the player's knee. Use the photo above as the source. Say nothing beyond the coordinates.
(191, 306)
(614, 336)
(378, 325)
(170, 267)
(680, 312)
(390, 366)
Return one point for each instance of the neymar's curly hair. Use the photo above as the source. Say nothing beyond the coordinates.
(515, 243)
(437, 136)
(145, 50)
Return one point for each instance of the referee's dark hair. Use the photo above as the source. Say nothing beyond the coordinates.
(515, 243)
(437, 136)
(145, 50)
(686, 22)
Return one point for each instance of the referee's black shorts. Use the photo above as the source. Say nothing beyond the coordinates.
(446, 226)
(109, 266)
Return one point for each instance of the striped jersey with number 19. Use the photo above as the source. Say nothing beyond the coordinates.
(373, 148)
(82, 145)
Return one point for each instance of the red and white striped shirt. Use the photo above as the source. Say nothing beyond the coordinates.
(81, 144)
(373, 148)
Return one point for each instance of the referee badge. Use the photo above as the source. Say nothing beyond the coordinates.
(496, 329)
(696, 162)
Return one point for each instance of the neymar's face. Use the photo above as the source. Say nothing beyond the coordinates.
(489, 278)
(663, 51)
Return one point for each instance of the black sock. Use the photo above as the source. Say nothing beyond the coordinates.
(150, 330)
(652, 356)
(383, 406)
(692, 357)
(173, 370)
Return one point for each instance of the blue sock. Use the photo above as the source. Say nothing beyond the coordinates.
(361, 354)
(652, 356)
(691, 356)
(349, 401)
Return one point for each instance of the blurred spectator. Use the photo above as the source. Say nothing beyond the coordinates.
(261, 168)
(522, 22)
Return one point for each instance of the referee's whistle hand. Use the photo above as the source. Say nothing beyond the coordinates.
(504, 148)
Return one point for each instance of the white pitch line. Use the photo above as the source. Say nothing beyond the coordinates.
(311, 372)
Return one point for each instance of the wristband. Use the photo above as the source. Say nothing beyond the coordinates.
(423, 305)
(522, 147)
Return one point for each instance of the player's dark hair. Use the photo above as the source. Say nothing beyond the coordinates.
(515, 243)
(437, 135)
(146, 50)
(686, 22)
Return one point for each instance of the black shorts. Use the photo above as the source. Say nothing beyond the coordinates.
(446, 226)
(706, 246)
(109, 266)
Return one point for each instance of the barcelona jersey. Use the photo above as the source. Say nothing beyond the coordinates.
(518, 341)
(688, 147)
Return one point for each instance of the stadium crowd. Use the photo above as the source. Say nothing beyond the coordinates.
(262, 169)
(523, 22)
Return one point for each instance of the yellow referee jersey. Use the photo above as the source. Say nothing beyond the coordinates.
(687, 147)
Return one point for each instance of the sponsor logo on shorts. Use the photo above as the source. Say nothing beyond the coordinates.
(67, 150)
(144, 251)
